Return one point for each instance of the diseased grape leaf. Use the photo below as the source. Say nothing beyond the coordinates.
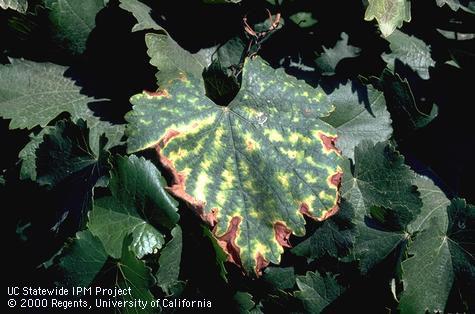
(316, 292)
(360, 114)
(73, 21)
(141, 13)
(34, 93)
(329, 59)
(411, 51)
(252, 168)
(17, 5)
(389, 14)
(138, 203)
(440, 253)
(82, 260)
(170, 260)
(65, 151)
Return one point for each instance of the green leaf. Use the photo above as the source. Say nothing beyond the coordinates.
(65, 152)
(303, 19)
(245, 304)
(172, 61)
(402, 105)
(138, 203)
(411, 51)
(141, 13)
(358, 118)
(439, 255)
(280, 278)
(252, 168)
(467, 6)
(170, 260)
(316, 292)
(221, 256)
(134, 275)
(329, 59)
(389, 14)
(34, 93)
(28, 154)
(73, 21)
(82, 260)
(434, 205)
(335, 237)
(17, 5)
(384, 181)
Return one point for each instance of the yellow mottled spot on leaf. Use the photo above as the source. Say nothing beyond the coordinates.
(292, 154)
(177, 155)
(206, 164)
(221, 197)
(250, 143)
(201, 183)
(259, 248)
(145, 122)
(273, 135)
(283, 179)
(311, 161)
(253, 214)
(310, 178)
(324, 196)
(305, 94)
(309, 200)
(294, 137)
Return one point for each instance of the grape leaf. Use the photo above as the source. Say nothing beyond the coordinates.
(138, 203)
(17, 5)
(133, 274)
(411, 51)
(34, 93)
(467, 5)
(65, 152)
(440, 253)
(383, 180)
(141, 13)
(170, 260)
(303, 19)
(358, 118)
(251, 169)
(329, 59)
(380, 180)
(28, 154)
(389, 14)
(335, 237)
(83, 259)
(172, 60)
(280, 277)
(245, 304)
(316, 292)
(73, 21)
(402, 105)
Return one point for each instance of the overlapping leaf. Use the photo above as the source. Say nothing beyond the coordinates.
(330, 57)
(34, 93)
(252, 168)
(73, 21)
(316, 292)
(390, 14)
(138, 204)
(411, 51)
(360, 114)
(440, 254)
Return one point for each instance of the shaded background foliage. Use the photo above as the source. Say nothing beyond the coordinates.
(115, 65)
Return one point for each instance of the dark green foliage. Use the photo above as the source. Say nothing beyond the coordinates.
(279, 156)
